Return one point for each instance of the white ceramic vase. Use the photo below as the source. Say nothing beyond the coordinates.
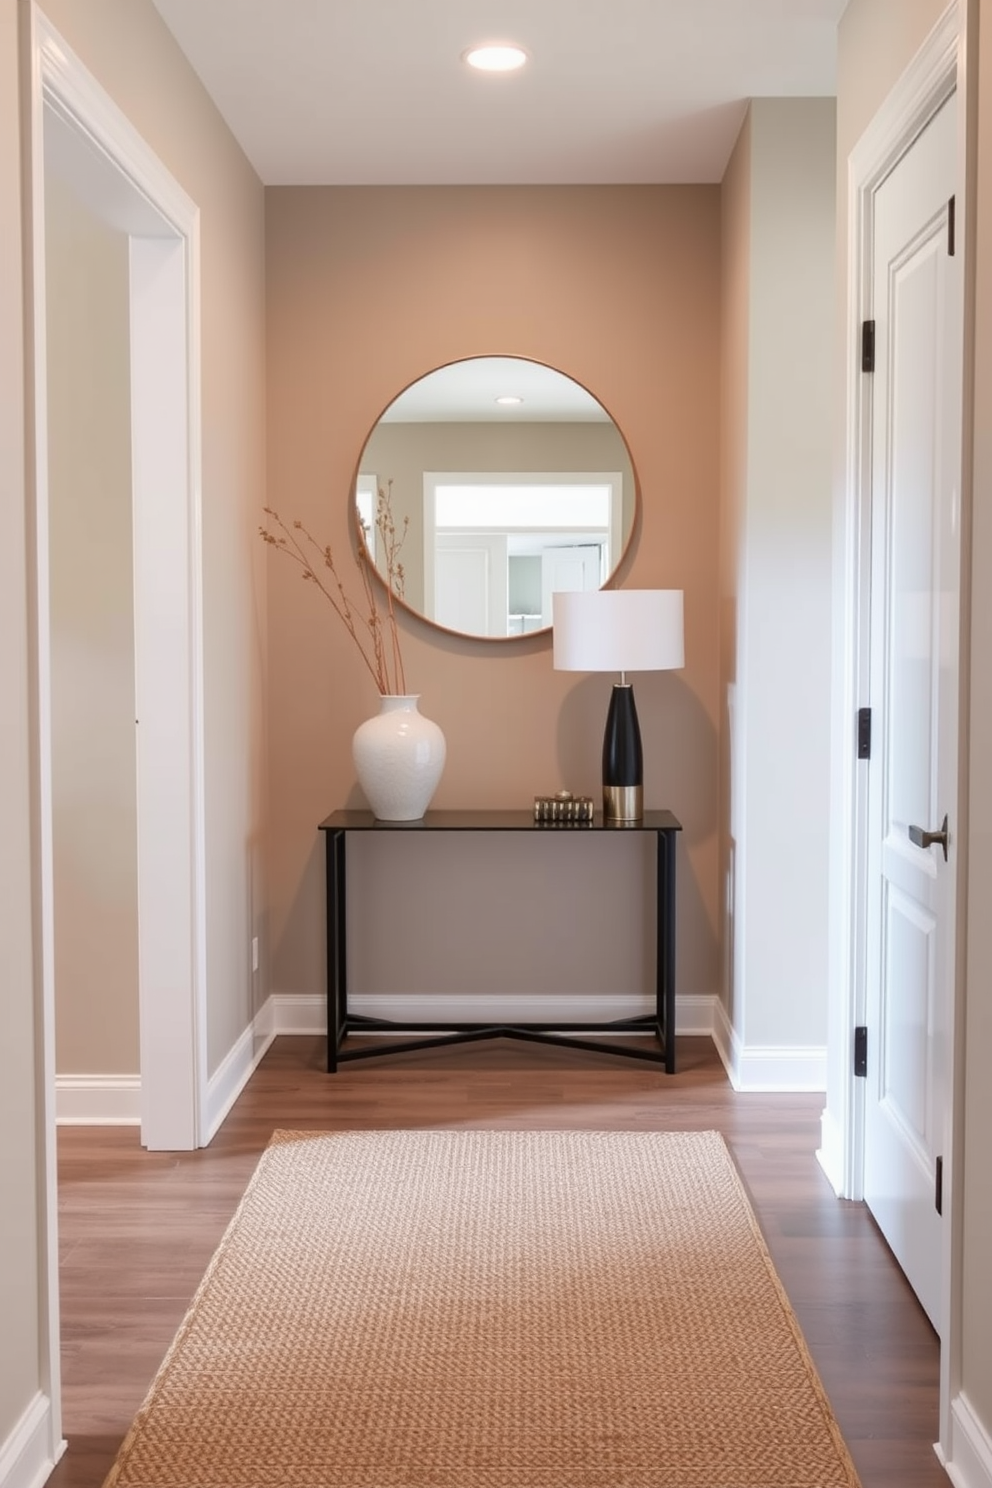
(399, 755)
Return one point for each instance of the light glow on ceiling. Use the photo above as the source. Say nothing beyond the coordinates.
(505, 57)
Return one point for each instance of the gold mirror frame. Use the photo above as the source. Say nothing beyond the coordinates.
(449, 424)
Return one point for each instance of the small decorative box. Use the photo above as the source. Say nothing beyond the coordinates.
(564, 809)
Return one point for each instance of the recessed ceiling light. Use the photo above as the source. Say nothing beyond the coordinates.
(502, 58)
(509, 398)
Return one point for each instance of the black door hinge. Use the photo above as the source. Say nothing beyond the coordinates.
(867, 346)
(864, 733)
(938, 1186)
(950, 228)
(861, 1051)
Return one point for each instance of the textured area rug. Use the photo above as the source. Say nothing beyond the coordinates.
(465, 1309)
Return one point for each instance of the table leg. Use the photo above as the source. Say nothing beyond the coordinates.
(665, 957)
(337, 959)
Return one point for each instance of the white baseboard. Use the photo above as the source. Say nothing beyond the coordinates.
(830, 1153)
(970, 1462)
(115, 1100)
(28, 1455)
(783, 1069)
(694, 1013)
(98, 1100)
(236, 1069)
(299, 1013)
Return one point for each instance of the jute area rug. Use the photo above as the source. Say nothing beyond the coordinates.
(468, 1309)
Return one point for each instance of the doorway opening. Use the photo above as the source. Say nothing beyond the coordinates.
(83, 142)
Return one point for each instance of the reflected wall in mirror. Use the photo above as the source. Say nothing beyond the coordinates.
(512, 482)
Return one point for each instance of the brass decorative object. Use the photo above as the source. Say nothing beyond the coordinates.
(564, 809)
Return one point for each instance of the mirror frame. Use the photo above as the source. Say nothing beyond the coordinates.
(400, 600)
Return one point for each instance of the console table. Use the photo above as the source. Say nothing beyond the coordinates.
(341, 1022)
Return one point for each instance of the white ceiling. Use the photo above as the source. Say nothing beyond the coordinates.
(373, 92)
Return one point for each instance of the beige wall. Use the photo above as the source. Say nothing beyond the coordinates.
(127, 47)
(22, 1152)
(92, 640)
(778, 273)
(367, 290)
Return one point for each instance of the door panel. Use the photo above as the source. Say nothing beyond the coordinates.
(569, 569)
(471, 583)
(915, 562)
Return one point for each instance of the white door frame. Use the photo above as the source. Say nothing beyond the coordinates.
(132, 190)
(935, 73)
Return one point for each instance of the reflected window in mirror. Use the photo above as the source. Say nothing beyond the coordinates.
(497, 545)
(503, 503)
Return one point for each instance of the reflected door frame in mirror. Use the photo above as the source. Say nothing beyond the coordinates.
(458, 426)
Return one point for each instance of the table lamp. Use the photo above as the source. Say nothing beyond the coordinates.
(619, 630)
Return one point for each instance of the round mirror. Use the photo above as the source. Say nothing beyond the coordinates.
(489, 484)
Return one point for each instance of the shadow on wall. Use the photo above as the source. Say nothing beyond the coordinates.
(680, 753)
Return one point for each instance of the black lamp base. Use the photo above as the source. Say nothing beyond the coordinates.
(623, 761)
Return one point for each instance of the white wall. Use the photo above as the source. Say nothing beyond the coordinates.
(735, 311)
(778, 277)
(92, 639)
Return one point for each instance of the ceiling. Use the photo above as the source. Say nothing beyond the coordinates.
(374, 92)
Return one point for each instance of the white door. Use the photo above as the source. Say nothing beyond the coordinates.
(471, 585)
(568, 569)
(915, 567)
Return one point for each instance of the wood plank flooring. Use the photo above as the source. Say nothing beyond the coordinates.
(137, 1229)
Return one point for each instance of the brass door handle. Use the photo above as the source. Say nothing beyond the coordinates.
(920, 838)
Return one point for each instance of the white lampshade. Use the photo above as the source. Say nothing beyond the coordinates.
(618, 630)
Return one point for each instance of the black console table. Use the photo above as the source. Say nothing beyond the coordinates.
(341, 1022)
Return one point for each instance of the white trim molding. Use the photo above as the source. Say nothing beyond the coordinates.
(122, 179)
(306, 1013)
(830, 1153)
(298, 1013)
(927, 83)
(98, 1100)
(29, 1454)
(236, 1069)
(780, 1068)
(969, 1463)
(933, 76)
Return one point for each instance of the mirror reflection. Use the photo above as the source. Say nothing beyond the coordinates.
(505, 481)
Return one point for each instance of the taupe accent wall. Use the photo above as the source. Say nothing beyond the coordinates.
(368, 289)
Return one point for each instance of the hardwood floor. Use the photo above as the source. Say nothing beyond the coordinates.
(137, 1229)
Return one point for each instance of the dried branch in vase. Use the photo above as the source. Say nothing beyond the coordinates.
(376, 636)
